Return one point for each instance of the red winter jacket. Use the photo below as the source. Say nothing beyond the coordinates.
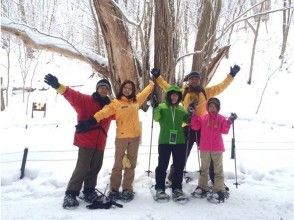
(212, 126)
(86, 107)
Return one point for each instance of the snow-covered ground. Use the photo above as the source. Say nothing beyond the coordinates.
(264, 143)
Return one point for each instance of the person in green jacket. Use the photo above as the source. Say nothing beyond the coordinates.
(171, 116)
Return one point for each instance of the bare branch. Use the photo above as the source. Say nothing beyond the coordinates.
(36, 39)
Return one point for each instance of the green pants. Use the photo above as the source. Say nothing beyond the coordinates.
(86, 171)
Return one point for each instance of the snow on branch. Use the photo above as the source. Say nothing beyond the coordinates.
(36, 39)
(124, 14)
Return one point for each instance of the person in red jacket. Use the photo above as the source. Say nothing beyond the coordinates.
(91, 143)
(212, 125)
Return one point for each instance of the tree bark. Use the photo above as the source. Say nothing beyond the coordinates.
(120, 53)
(163, 40)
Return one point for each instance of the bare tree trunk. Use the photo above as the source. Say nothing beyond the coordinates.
(2, 103)
(147, 24)
(163, 40)
(206, 32)
(253, 48)
(287, 18)
(120, 53)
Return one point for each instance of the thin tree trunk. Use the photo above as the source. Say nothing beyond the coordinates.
(254, 48)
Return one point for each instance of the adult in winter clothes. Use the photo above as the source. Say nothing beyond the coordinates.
(212, 126)
(91, 143)
(195, 97)
(128, 131)
(171, 116)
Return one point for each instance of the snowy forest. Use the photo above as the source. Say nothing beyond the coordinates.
(82, 42)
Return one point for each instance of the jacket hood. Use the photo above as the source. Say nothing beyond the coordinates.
(173, 89)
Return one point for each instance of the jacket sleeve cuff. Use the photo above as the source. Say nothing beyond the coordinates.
(61, 89)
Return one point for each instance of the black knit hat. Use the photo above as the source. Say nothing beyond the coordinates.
(103, 82)
(214, 101)
(192, 74)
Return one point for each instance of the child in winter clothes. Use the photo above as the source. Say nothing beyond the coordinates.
(128, 131)
(170, 116)
(211, 146)
(91, 143)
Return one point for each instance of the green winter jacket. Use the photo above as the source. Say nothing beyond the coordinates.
(164, 115)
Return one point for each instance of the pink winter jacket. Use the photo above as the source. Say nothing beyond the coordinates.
(212, 126)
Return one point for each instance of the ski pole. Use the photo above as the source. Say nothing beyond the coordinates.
(151, 136)
(199, 166)
(233, 149)
(110, 200)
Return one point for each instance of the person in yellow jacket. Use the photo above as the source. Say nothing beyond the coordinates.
(128, 131)
(195, 97)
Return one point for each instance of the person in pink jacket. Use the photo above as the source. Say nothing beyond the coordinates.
(211, 125)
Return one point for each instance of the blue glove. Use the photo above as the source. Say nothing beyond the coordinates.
(86, 125)
(52, 81)
(155, 72)
(234, 70)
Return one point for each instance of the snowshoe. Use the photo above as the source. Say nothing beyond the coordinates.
(114, 195)
(160, 195)
(199, 192)
(179, 196)
(216, 197)
(70, 202)
(127, 196)
(90, 196)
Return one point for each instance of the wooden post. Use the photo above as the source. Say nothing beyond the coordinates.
(23, 164)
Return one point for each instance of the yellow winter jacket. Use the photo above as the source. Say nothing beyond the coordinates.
(200, 107)
(126, 114)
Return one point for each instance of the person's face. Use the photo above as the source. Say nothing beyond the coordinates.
(127, 90)
(194, 81)
(212, 108)
(174, 98)
(103, 91)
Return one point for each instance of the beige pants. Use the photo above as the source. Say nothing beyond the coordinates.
(130, 146)
(217, 159)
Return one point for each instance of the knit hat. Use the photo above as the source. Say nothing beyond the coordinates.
(192, 74)
(214, 101)
(103, 82)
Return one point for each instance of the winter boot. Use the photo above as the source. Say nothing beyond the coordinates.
(90, 195)
(113, 195)
(199, 192)
(216, 197)
(179, 196)
(127, 195)
(161, 196)
(70, 201)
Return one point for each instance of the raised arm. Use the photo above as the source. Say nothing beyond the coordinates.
(143, 95)
(219, 88)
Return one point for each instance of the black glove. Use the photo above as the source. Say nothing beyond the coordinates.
(84, 126)
(234, 70)
(233, 117)
(52, 81)
(155, 72)
(191, 108)
(154, 101)
(196, 89)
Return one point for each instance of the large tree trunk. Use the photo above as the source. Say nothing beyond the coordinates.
(206, 33)
(120, 54)
(163, 40)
